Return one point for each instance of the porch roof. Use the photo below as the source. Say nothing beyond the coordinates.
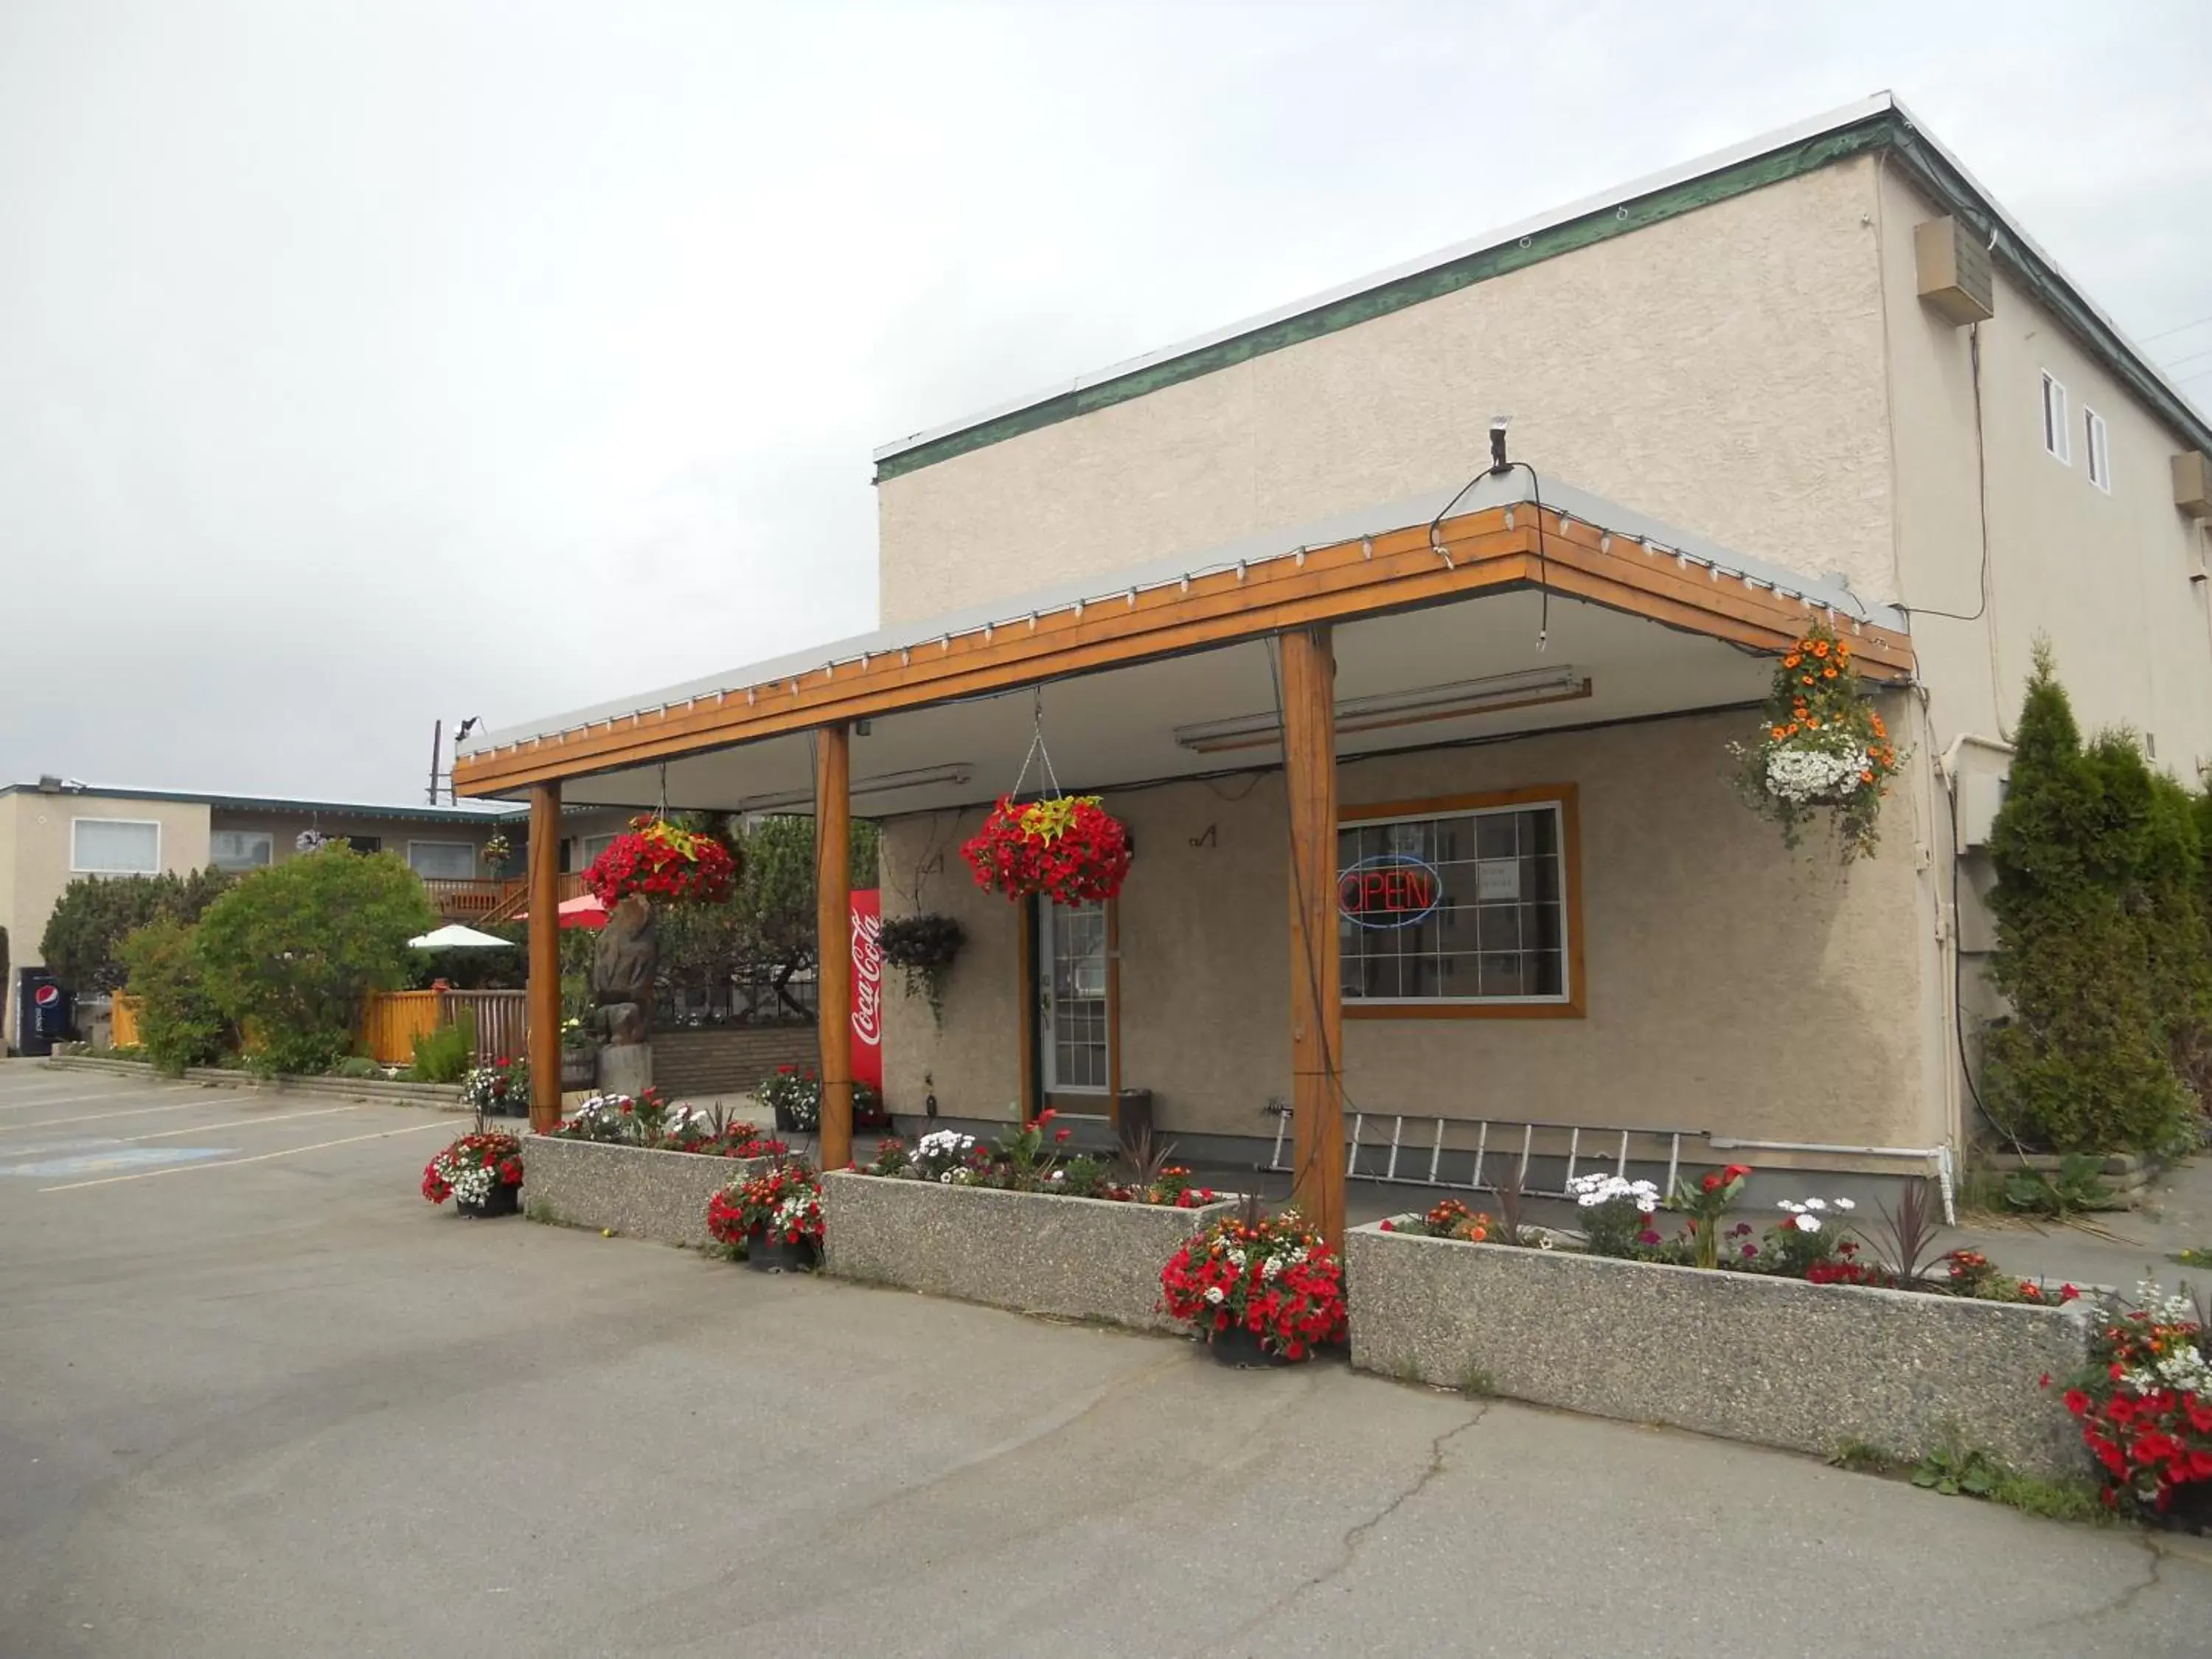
(1401, 560)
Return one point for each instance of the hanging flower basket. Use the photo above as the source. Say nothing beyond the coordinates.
(1822, 747)
(923, 948)
(1068, 847)
(663, 862)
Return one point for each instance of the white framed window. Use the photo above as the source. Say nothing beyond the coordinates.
(588, 848)
(2096, 450)
(115, 847)
(442, 861)
(1461, 904)
(2057, 436)
(241, 849)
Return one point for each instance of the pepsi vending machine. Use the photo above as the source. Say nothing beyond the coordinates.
(42, 1011)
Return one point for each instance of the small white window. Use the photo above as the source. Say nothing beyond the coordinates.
(442, 860)
(2057, 437)
(241, 849)
(2095, 449)
(115, 847)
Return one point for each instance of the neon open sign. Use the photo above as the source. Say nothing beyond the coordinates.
(1390, 889)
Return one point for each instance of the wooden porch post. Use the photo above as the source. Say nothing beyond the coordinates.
(1316, 976)
(833, 936)
(545, 999)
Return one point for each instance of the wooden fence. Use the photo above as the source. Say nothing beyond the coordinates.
(393, 1019)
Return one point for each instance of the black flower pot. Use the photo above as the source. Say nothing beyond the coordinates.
(1240, 1347)
(505, 1199)
(764, 1254)
(785, 1119)
(2188, 1508)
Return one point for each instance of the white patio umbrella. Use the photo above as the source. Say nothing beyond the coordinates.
(455, 936)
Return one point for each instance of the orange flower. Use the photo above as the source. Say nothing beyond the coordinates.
(1791, 660)
(1792, 732)
(1814, 725)
(1804, 679)
(1820, 649)
(1780, 732)
(1866, 777)
(1880, 730)
(1827, 673)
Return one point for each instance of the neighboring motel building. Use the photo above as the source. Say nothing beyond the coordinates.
(55, 829)
(1821, 374)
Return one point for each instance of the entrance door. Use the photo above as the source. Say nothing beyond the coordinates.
(1072, 997)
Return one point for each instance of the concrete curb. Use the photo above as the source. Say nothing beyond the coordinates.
(1775, 1361)
(436, 1097)
(638, 1192)
(1075, 1258)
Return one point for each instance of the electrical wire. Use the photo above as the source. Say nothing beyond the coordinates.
(1543, 569)
(1982, 491)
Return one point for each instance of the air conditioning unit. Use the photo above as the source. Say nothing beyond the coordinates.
(2193, 483)
(1953, 267)
(1980, 795)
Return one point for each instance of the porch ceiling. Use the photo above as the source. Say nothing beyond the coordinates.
(1117, 727)
(1656, 620)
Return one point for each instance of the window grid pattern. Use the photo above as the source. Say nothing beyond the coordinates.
(1078, 946)
(1498, 932)
(115, 847)
(442, 861)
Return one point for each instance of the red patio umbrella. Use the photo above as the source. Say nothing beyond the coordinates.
(584, 910)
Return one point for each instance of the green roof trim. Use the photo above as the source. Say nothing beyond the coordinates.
(1889, 129)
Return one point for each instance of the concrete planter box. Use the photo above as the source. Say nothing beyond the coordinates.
(1775, 1361)
(638, 1192)
(1078, 1258)
(439, 1097)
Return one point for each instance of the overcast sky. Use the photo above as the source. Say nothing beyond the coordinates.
(362, 364)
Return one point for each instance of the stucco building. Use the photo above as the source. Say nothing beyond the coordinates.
(1820, 375)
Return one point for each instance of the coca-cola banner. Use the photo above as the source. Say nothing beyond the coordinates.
(868, 988)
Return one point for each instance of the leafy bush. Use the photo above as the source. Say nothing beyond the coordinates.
(359, 1066)
(296, 947)
(180, 1022)
(444, 1055)
(2083, 1064)
(89, 921)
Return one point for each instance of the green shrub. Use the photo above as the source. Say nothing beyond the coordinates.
(179, 1021)
(89, 921)
(2082, 1064)
(358, 1065)
(445, 1054)
(295, 948)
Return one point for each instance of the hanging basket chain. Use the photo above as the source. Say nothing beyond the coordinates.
(1037, 751)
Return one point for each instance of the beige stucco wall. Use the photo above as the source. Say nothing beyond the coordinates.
(39, 867)
(2106, 576)
(1732, 986)
(1721, 370)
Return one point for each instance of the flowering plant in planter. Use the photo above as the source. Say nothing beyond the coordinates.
(663, 861)
(474, 1170)
(1704, 1204)
(650, 1121)
(1822, 746)
(2145, 1405)
(1263, 1274)
(502, 1086)
(1447, 1218)
(782, 1204)
(793, 1095)
(1068, 847)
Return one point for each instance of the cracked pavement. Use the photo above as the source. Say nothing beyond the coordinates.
(285, 1408)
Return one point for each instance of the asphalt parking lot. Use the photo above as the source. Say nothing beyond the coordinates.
(258, 1399)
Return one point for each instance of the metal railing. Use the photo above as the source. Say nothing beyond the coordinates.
(1420, 1160)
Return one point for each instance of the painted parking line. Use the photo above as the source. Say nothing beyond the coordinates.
(234, 1123)
(10, 1101)
(115, 1157)
(91, 1145)
(101, 1117)
(261, 1157)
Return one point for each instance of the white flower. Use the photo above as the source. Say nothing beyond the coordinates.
(1816, 1203)
(1803, 776)
(1845, 1204)
(1213, 1293)
(1809, 1223)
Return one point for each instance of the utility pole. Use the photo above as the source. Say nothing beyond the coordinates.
(437, 748)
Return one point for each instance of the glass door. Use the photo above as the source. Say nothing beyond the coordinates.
(1071, 996)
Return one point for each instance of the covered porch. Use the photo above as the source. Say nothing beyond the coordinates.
(1380, 773)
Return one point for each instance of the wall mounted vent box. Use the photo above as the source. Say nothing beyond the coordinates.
(1953, 267)
(2193, 483)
